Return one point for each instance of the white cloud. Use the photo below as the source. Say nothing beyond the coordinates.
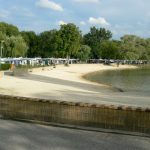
(87, 1)
(61, 22)
(82, 23)
(98, 21)
(49, 4)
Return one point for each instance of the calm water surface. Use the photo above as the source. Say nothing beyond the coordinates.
(126, 80)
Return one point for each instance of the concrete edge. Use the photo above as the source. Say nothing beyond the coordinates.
(81, 104)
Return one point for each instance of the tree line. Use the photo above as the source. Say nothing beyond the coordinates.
(69, 41)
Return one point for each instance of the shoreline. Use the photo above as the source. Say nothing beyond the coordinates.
(67, 84)
(123, 67)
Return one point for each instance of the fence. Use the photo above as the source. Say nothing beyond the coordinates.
(82, 114)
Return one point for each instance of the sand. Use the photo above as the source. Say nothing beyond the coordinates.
(67, 84)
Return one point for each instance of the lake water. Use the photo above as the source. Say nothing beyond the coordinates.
(137, 80)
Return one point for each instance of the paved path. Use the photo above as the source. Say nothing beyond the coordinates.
(24, 136)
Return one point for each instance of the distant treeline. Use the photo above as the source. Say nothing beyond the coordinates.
(69, 41)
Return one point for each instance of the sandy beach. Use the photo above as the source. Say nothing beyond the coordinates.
(67, 84)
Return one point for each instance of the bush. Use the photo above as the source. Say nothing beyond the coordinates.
(4, 66)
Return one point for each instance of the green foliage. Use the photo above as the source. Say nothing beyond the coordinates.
(8, 29)
(84, 53)
(2, 36)
(13, 43)
(70, 39)
(134, 47)
(31, 40)
(131, 56)
(146, 54)
(68, 42)
(49, 42)
(4, 66)
(15, 47)
(110, 50)
(94, 39)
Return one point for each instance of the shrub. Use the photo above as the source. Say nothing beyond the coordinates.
(4, 66)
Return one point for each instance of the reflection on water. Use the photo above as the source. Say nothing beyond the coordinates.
(127, 80)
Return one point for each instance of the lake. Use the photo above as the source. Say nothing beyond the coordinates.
(136, 80)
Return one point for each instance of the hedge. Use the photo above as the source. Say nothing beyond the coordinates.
(4, 66)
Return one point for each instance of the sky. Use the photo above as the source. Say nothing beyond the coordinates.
(120, 16)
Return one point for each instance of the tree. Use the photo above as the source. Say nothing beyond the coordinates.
(94, 39)
(31, 40)
(70, 40)
(133, 47)
(8, 29)
(49, 42)
(110, 50)
(83, 53)
(15, 47)
(146, 55)
(2, 36)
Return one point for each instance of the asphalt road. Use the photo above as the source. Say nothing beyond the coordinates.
(25, 136)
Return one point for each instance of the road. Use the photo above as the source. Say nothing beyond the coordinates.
(25, 136)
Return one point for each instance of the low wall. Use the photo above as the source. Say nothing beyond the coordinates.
(20, 71)
(82, 114)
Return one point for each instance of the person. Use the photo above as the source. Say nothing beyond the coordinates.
(117, 63)
(54, 65)
(12, 66)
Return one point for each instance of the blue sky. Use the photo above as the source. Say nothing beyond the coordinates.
(119, 16)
